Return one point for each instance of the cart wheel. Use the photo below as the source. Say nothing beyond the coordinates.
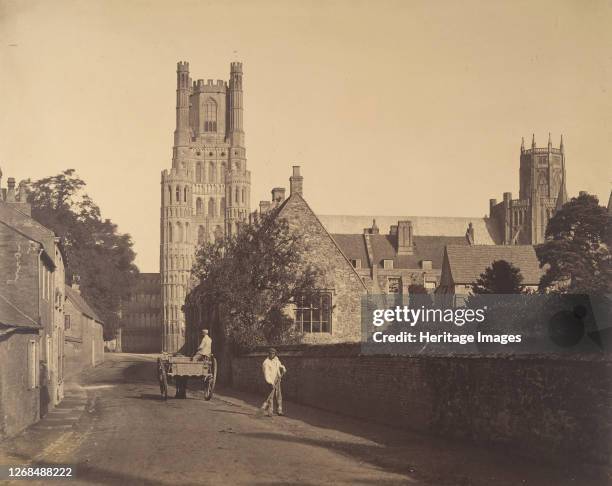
(210, 380)
(163, 380)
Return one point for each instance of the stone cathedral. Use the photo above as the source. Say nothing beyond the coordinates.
(206, 193)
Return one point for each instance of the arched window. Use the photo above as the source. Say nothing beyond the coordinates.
(185, 194)
(222, 206)
(212, 210)
(199, 172)
(187, 233)
(201, 235)
(210, 115)
(179, 232)
(236, 196)
(198, 206)
(178, 194)
(169, 194)
(211, 172)
(243, 195)
(169, 232)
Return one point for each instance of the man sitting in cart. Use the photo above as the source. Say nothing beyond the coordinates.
(204, 351)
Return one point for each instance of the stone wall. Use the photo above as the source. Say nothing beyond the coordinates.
(556, 408)
(338, 275)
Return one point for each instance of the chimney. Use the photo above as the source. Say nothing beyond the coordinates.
(404, 238)
(373, 230)
(264, 206)
(296, 182)
(278, 195)
(469, 234)
(10, 193)
(75, 284)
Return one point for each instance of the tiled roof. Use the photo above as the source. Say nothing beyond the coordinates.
(468, 262)
(484, 230)
(384, 247)
(353, 246)
(81, 304)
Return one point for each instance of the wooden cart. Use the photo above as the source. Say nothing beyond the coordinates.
(181, 368)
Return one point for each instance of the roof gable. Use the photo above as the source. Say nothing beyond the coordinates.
(467, 263)
(298, 200)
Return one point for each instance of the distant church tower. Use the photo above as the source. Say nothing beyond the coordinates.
(206, 193)
(542, 192)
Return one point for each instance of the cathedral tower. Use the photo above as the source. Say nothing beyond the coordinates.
(206, 193)
(542, 191)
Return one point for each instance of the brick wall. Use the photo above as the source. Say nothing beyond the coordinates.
(553, 408)
(19, 405)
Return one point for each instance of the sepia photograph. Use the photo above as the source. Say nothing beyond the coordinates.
(306, 242)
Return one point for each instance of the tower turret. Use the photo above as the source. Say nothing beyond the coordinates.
(236, 131)
(182, 134)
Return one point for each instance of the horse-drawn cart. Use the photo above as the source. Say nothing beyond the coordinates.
(181, 368)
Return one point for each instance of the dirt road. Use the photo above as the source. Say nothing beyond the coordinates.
(114, 429)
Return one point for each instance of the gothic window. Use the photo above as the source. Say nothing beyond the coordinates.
(198, 206)
(187, 233)
(169, 194)
(243, 195)
(201, 235)
(199, 172)
(178, 194)
(210, 116)
(313, 313)
(185, 194)
(236, 196)
(179, 232)
(211, 208)
(211, 172)
(222, 206)
(169, 232)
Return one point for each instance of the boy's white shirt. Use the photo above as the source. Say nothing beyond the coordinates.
(271, 369)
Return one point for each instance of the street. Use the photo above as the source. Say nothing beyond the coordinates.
(114, 429)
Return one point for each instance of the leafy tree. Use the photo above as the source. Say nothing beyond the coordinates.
(419, 296)
(252, 278)
(576, 253)
(500, 278)
(102, 257)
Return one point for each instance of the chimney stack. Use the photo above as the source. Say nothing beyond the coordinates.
(469, 234)
(296, 182)
(10, 193)
(404, 238)
(264, 206)
(278, 195)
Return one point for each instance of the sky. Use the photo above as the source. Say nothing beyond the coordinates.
(390, 107)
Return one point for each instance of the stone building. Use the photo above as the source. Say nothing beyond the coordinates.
(463, 265)
(31, 314)
(206, 193)
(542, 191)
(391, 253)
(141, 322)
(334, 314)
(84, 346)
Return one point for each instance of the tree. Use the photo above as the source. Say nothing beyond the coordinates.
(500, 278)
(102, 257)
(418, 296)
(576, 253)
(252, 278)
